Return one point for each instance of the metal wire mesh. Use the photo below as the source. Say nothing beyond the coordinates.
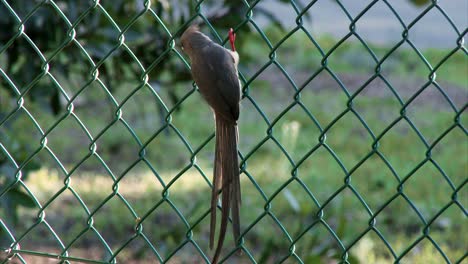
(189, 225)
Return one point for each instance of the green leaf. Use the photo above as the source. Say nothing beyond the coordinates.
(7, 170)
(31, 166)
(419, 2)
(353, 259)
(20, 198)
(313, 258)
(55, 102)
(267, 251)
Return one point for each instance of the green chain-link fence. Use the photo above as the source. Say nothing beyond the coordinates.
(346, 147)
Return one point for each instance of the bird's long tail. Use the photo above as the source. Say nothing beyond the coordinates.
(226, 178)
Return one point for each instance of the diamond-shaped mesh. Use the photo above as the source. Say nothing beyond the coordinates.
(295, 157)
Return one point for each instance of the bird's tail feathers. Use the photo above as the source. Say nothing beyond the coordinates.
(226, 177)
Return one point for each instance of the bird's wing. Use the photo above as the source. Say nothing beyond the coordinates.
(226, 80)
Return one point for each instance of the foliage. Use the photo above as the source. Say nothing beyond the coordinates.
(50, 52)
(13, 195)
(123, 63)
(120, 47)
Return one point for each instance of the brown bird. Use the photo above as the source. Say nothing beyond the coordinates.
(214, 70)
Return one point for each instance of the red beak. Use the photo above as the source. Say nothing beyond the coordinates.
(232, 38)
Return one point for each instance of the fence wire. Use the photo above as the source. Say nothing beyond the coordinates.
(22, 241)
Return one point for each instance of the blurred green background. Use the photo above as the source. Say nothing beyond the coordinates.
(353, 144)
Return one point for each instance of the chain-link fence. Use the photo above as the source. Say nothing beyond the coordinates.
(350, 152)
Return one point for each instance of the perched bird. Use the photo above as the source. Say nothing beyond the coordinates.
(214, 70)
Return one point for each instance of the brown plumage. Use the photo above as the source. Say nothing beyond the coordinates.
(214, 70)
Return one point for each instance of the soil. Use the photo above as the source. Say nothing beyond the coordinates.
(431, 96)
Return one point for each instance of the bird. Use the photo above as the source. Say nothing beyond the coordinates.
(214, 70)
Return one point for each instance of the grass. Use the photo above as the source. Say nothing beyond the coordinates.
(283, 183)
(352, 56)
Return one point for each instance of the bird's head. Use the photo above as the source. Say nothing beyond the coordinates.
(193, 39)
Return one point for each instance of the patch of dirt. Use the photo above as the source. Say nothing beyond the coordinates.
(406, 88)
